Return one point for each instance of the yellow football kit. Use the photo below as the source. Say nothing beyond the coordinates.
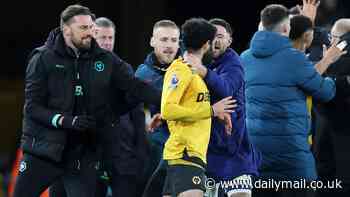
(309, 109)
(186, 108)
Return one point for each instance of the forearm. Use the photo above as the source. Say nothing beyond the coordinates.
(322, 66)
(41, 114)
(137, 91)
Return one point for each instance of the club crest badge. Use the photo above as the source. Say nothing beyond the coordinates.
(99, 66)
(196, 180)
(174, 82)
(23, 166)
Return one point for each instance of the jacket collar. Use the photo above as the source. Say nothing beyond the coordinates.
(152, 61)
(222, 58)
(56, 42)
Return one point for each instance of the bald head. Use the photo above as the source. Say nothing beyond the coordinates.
(340, 27)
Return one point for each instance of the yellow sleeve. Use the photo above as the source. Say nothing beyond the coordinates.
(176, 81)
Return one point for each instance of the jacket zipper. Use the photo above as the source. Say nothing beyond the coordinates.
(33, 142)
(78, 166)
(76, 67)
(75, 79)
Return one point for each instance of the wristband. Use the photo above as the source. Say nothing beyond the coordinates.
(55, 119)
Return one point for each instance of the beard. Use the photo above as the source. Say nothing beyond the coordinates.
(167, 59)
(208, 57)
(82, 44)
(164, 58)
(218, 49)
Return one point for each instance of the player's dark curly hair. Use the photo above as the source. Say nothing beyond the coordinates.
(196, 32)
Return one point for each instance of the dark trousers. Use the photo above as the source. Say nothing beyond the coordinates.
(37, 174)
(332, 149)
(57, 190)
(121, 185)
(155, 183)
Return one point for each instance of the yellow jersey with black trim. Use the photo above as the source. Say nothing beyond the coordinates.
(186, 108)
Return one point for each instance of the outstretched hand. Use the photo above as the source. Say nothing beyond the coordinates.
(225, 105)
(155, 122)
(309, 9)
(196, 64)
(222, 110)
(225, 118)
(333, 53)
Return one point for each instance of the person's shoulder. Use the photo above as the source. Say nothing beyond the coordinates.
(142, 70)
(179, 68)
(179, 65)
(140, 67)
(232, 57)
(37, 51)
(41, 54)
(40, 57)
(112, 56)
(245, 54)
(232, 52)
(293, 55)
(295, 59)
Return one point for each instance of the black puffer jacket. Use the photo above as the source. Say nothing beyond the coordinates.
(332, 138)
(49, 90)
(338, 109)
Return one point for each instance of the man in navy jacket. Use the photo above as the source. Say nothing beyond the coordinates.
(231, 156)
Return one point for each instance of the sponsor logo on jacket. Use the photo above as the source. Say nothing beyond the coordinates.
(203, 97)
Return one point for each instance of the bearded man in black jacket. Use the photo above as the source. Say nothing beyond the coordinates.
(68, 89)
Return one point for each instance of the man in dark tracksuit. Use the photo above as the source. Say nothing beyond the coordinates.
(125, 154)
(165, 43)
(153, 175)
(125, 149)
(68, 88)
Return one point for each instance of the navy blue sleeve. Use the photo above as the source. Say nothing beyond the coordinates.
(136, 89)
(145, 75)
(227, 82)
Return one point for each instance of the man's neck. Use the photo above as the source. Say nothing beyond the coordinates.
(297, 44)
(278, 31)
(197, 54)
(193, 57)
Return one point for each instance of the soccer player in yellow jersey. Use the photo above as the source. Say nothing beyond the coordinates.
(186, 108)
